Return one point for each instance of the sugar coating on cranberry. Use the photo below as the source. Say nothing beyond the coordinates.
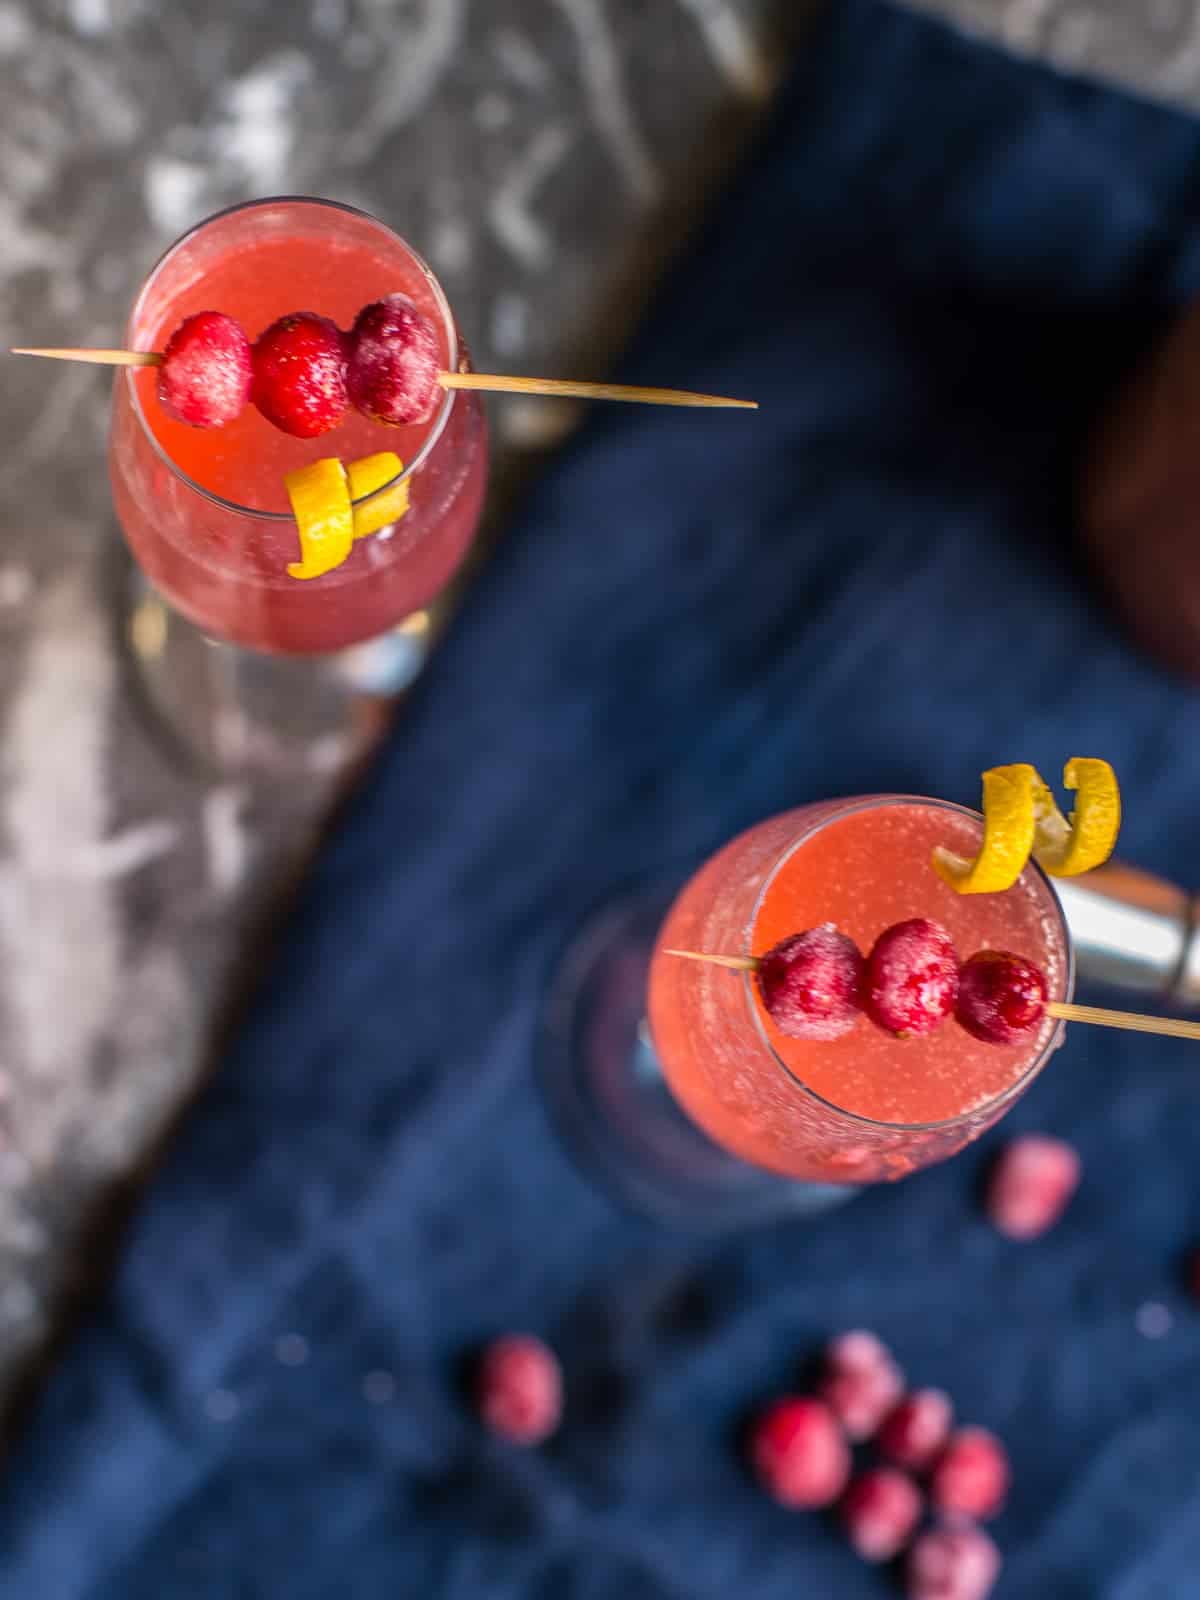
(393, 370)
(917, 1429)
(880, 1511)
(300, 374)
(1031, 1184)
(972, 1478)
(912, 977)
(518, 1386)
(860, 1383)
(205, 374)
(811, 984)
(799, 1453)
(1001, 997)
(953, 1563)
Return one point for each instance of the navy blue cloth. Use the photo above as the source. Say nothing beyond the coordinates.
(930, 272)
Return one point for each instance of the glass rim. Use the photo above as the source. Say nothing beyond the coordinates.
(848, 808)
(438, 425)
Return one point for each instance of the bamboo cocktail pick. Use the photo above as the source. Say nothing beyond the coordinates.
(500, 383)
(1098, 1016)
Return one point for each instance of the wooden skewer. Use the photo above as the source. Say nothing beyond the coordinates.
(569, 388)
(1097, 1016)
(497, 382)
(99, 358)
(734, 963)
(1135, 1022)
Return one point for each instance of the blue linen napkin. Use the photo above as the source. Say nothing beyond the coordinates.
(929, 272)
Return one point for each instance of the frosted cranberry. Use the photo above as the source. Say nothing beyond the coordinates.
(917, 1429)
(204, 378)
(880, 1511)
(959, 1563)
(300, 374)
(1030, 1185)
(393, 368)
(972, 1478)
(811, 984)
(861, 1382)
(1001, 997)
(799, 1453)
(912, 977)
(519, 1388)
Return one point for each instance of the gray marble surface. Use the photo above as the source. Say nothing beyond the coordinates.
(545, 155)
(1152, 46)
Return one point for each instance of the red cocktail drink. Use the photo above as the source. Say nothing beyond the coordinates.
(868, 1105)
(206, 511)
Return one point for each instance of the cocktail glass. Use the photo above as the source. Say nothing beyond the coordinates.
(671, 1084)
(223, 639)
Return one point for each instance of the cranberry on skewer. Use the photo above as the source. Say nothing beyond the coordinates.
(205, 375)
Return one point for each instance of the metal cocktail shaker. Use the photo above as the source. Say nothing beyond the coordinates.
(1134, 931)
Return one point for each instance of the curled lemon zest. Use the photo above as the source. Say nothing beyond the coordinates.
(1021, 819)
(320, 497)
(327, 521)
(366, 476)
(1009, 822)
(1064, 847)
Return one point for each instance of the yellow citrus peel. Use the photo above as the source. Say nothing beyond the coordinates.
(1022, 819)
(1065, 848)
(368, 475)
(322, 496)
(1009, 825)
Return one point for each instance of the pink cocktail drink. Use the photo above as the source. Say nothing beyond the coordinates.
(866, 1106)
(206, 512)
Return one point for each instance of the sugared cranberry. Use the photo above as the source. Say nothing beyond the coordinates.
(917, 1429)
(971, 1480)
(204, 378)
(811, 984)
(300, 374)
(912, 977)
(958, 1563)
(519, 1388)
(1030, 1185)
(861, 1382)
(1001, 997)
(879, 1511)
(394, 362)
(799, 1454)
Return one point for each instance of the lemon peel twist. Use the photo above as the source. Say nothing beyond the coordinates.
(1021, 819)
(323, 496)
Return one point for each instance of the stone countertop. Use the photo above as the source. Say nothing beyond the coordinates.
(546, 155)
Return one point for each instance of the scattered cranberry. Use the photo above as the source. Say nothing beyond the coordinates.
(799, 1454)
(393, 362)
(1030, 1185)
(958, 1563)
(1193, 1274)
(971, 1480)
(917, 1429)
(300, 374)
(912, 977)
(861, 1382)
(880, 1511)
(1001, 997)
(811, 984)
(204, 378)
(519, 1388)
